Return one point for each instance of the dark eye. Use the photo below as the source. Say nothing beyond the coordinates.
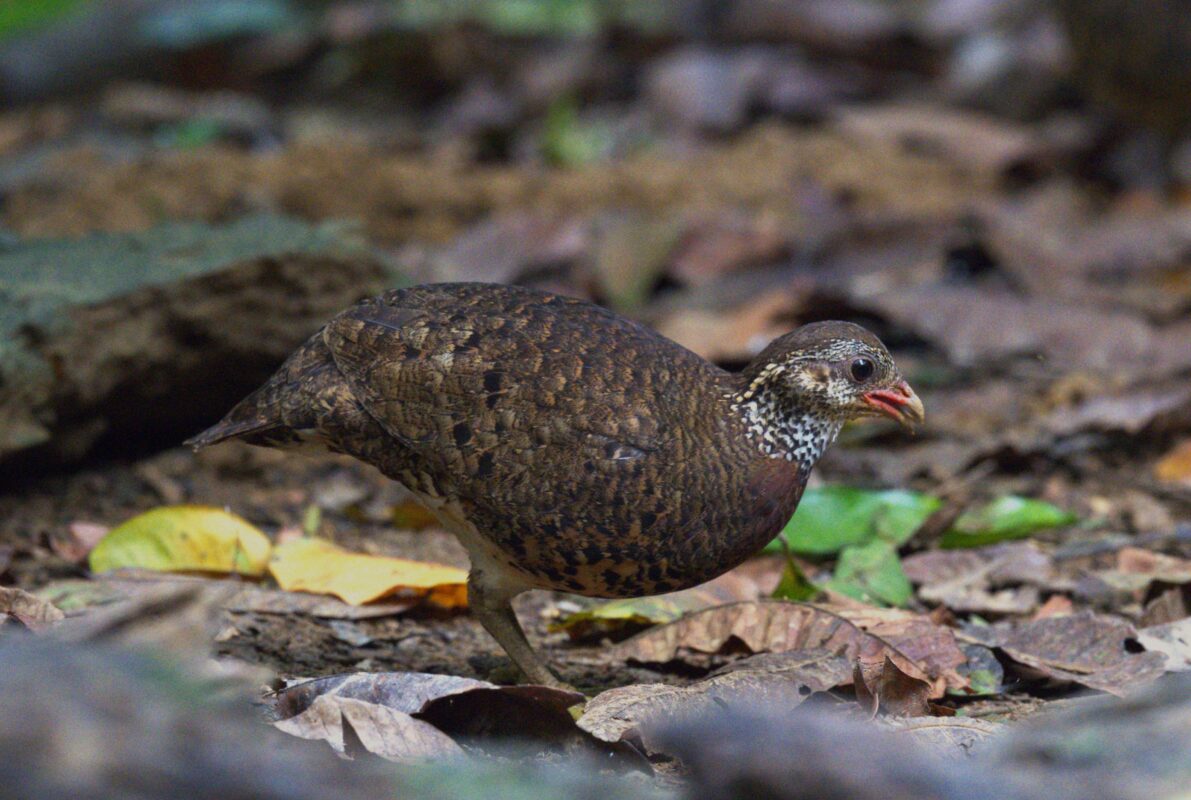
(862, 370)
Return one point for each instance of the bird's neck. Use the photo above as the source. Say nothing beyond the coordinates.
(782, 428)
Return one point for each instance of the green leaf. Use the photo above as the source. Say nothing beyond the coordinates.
(26, 17)
(184, 539)
(567, 140)
(872, 573)
(983, 682)
(1008, 517)
(834, 517)
(618, 618)
(794, 584)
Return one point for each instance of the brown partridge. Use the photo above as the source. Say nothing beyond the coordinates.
(567, 447)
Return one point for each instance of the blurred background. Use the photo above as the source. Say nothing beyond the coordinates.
(1000, 189)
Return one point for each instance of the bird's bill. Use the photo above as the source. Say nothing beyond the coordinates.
(899, 403)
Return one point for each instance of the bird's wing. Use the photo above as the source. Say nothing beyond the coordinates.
(488, 395)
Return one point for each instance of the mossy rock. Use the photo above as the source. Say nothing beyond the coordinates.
(125, 341)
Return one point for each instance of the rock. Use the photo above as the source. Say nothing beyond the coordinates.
(119, 343)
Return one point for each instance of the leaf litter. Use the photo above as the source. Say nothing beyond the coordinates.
(1043, 319)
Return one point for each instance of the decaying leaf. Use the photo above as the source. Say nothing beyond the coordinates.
(919, 647)
(31, 611)
(777, 682)
(1085, 648)
(380, 730)
(184, 539)
(315, 565)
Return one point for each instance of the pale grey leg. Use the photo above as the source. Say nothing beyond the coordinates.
(492, 607)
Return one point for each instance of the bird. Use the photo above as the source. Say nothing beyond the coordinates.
(568, 447)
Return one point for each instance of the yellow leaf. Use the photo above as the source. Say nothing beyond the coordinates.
(1175, 466)
(184, 539)
(315, 565)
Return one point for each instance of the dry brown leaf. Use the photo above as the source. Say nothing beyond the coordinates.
(975, 326)
(722, 245)
(462, 708)
(618, 619)
(1055, 606)
(733, 334)
(971, 140)
(1170, 605)
(920, 648)
(382, 731)
(1084, 648)
(29, 610)
(1154, 566)
(987, 580)
(883, 686)
(777, 682)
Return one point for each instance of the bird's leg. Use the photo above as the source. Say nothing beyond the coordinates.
(492, 605)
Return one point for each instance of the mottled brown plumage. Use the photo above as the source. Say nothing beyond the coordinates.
(568, 447)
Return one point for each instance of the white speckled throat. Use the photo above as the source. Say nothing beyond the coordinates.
(782, 429)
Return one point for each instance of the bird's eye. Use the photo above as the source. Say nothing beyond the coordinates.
(862, 369)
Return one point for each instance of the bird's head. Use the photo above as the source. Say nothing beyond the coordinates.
(811, 381)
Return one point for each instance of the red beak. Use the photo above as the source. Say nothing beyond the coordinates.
(900, 404)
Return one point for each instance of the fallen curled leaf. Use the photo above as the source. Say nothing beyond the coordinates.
(382, 731)
(315, 565)
(881, 685)
(31, 611)
(778, 682)
(184, 539)
(1085, 648)
(460, 708)
(920, 648)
